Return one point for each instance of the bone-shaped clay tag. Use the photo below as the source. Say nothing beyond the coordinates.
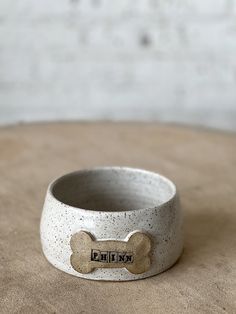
(89, 254)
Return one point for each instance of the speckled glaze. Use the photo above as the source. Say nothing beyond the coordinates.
(111, 203)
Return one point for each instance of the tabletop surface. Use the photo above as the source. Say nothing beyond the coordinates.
(202, 163)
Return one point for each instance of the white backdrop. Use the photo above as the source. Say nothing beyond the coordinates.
(169, 60)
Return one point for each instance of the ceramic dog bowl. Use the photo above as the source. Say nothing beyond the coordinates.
(112, 223)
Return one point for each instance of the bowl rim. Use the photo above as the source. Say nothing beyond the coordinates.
(170, 183)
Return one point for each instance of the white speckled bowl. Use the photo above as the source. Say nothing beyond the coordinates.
(111, 203)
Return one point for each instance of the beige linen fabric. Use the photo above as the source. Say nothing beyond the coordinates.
(202, 164)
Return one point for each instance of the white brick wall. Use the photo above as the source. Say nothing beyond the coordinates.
(170, 60)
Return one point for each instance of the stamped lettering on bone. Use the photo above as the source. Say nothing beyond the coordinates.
(89, 254)
(111, 256)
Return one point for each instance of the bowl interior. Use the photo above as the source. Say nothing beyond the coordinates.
(113, 189)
